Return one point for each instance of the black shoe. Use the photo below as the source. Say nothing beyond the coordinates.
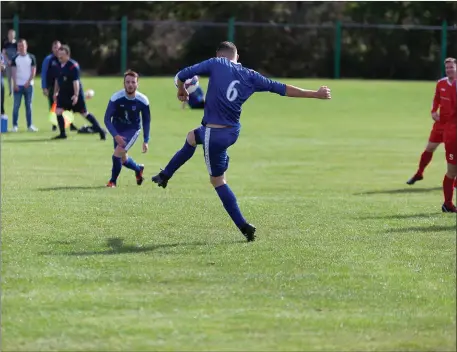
(103, 135)
(248, 231)
(160, 179)
(73, 128)
(448, 208)
(60, 136)
(139, 175)
(414, 179)
(54, 128)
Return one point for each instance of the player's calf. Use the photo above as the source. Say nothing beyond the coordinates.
(230, 204)
(131, 164)
(116, 168)
(448, 188)
(61, 124)
(91, 118)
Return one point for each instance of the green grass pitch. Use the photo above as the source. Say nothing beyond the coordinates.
(348, 256)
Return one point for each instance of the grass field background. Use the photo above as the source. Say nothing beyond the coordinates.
(348, 256)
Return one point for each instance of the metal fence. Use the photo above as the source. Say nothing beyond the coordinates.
(109, 47)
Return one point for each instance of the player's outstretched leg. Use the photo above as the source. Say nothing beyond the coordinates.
(91, 118)
(425, 159)
(230, 203)
(131, 164)
(178, 160)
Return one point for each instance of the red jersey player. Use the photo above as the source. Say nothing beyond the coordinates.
(450, 145)
(442, 102)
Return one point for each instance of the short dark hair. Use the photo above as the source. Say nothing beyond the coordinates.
(228, 47)
(131, 73)
(22, 40)
(65, 48)
(55, 42)
(450, 60)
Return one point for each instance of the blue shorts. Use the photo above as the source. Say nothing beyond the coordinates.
(215, 142)
(130, 138)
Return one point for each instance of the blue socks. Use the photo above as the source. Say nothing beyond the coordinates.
(116, 170)
(180, 158)
(132, 165)
(230, 204)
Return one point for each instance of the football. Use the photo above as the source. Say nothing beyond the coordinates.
(89, 94)
(191, 84)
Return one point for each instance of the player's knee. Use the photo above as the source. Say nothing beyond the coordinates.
(191, 138)
(124, 158)
(217, 181)
(120, 152)
(59, 111)
(431, 147)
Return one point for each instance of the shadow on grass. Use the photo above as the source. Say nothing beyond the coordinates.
(432, 228)
(399, 216)
(117, 246)
(69, 188)
(401, 191)
(26, 140)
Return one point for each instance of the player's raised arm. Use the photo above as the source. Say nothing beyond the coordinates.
(295, 92)
(110, 110)
(203, 68)
(263, 84)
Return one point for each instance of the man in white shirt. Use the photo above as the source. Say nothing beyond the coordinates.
(23, 73)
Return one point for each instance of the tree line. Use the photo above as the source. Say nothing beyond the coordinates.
(299, 41)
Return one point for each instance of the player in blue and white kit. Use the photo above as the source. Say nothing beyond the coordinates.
(123, 121)
(230, 85)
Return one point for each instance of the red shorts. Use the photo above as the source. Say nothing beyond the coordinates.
(450, 145)
(436, 136)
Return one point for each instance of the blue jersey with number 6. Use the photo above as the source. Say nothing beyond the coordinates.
(230, 85)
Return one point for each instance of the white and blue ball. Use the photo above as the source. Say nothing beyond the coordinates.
(190, 84)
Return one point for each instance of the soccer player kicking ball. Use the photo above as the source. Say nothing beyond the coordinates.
(123, 121)
(69, 95)
(230, 85)
(442, 102)
(450, 145)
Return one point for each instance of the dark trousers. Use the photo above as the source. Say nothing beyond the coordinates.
(3, 97)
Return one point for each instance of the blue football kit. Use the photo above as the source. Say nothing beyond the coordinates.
(124, 116)
(230, 86)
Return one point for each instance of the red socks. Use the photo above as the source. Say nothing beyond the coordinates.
(426, 157)
(448, 190)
